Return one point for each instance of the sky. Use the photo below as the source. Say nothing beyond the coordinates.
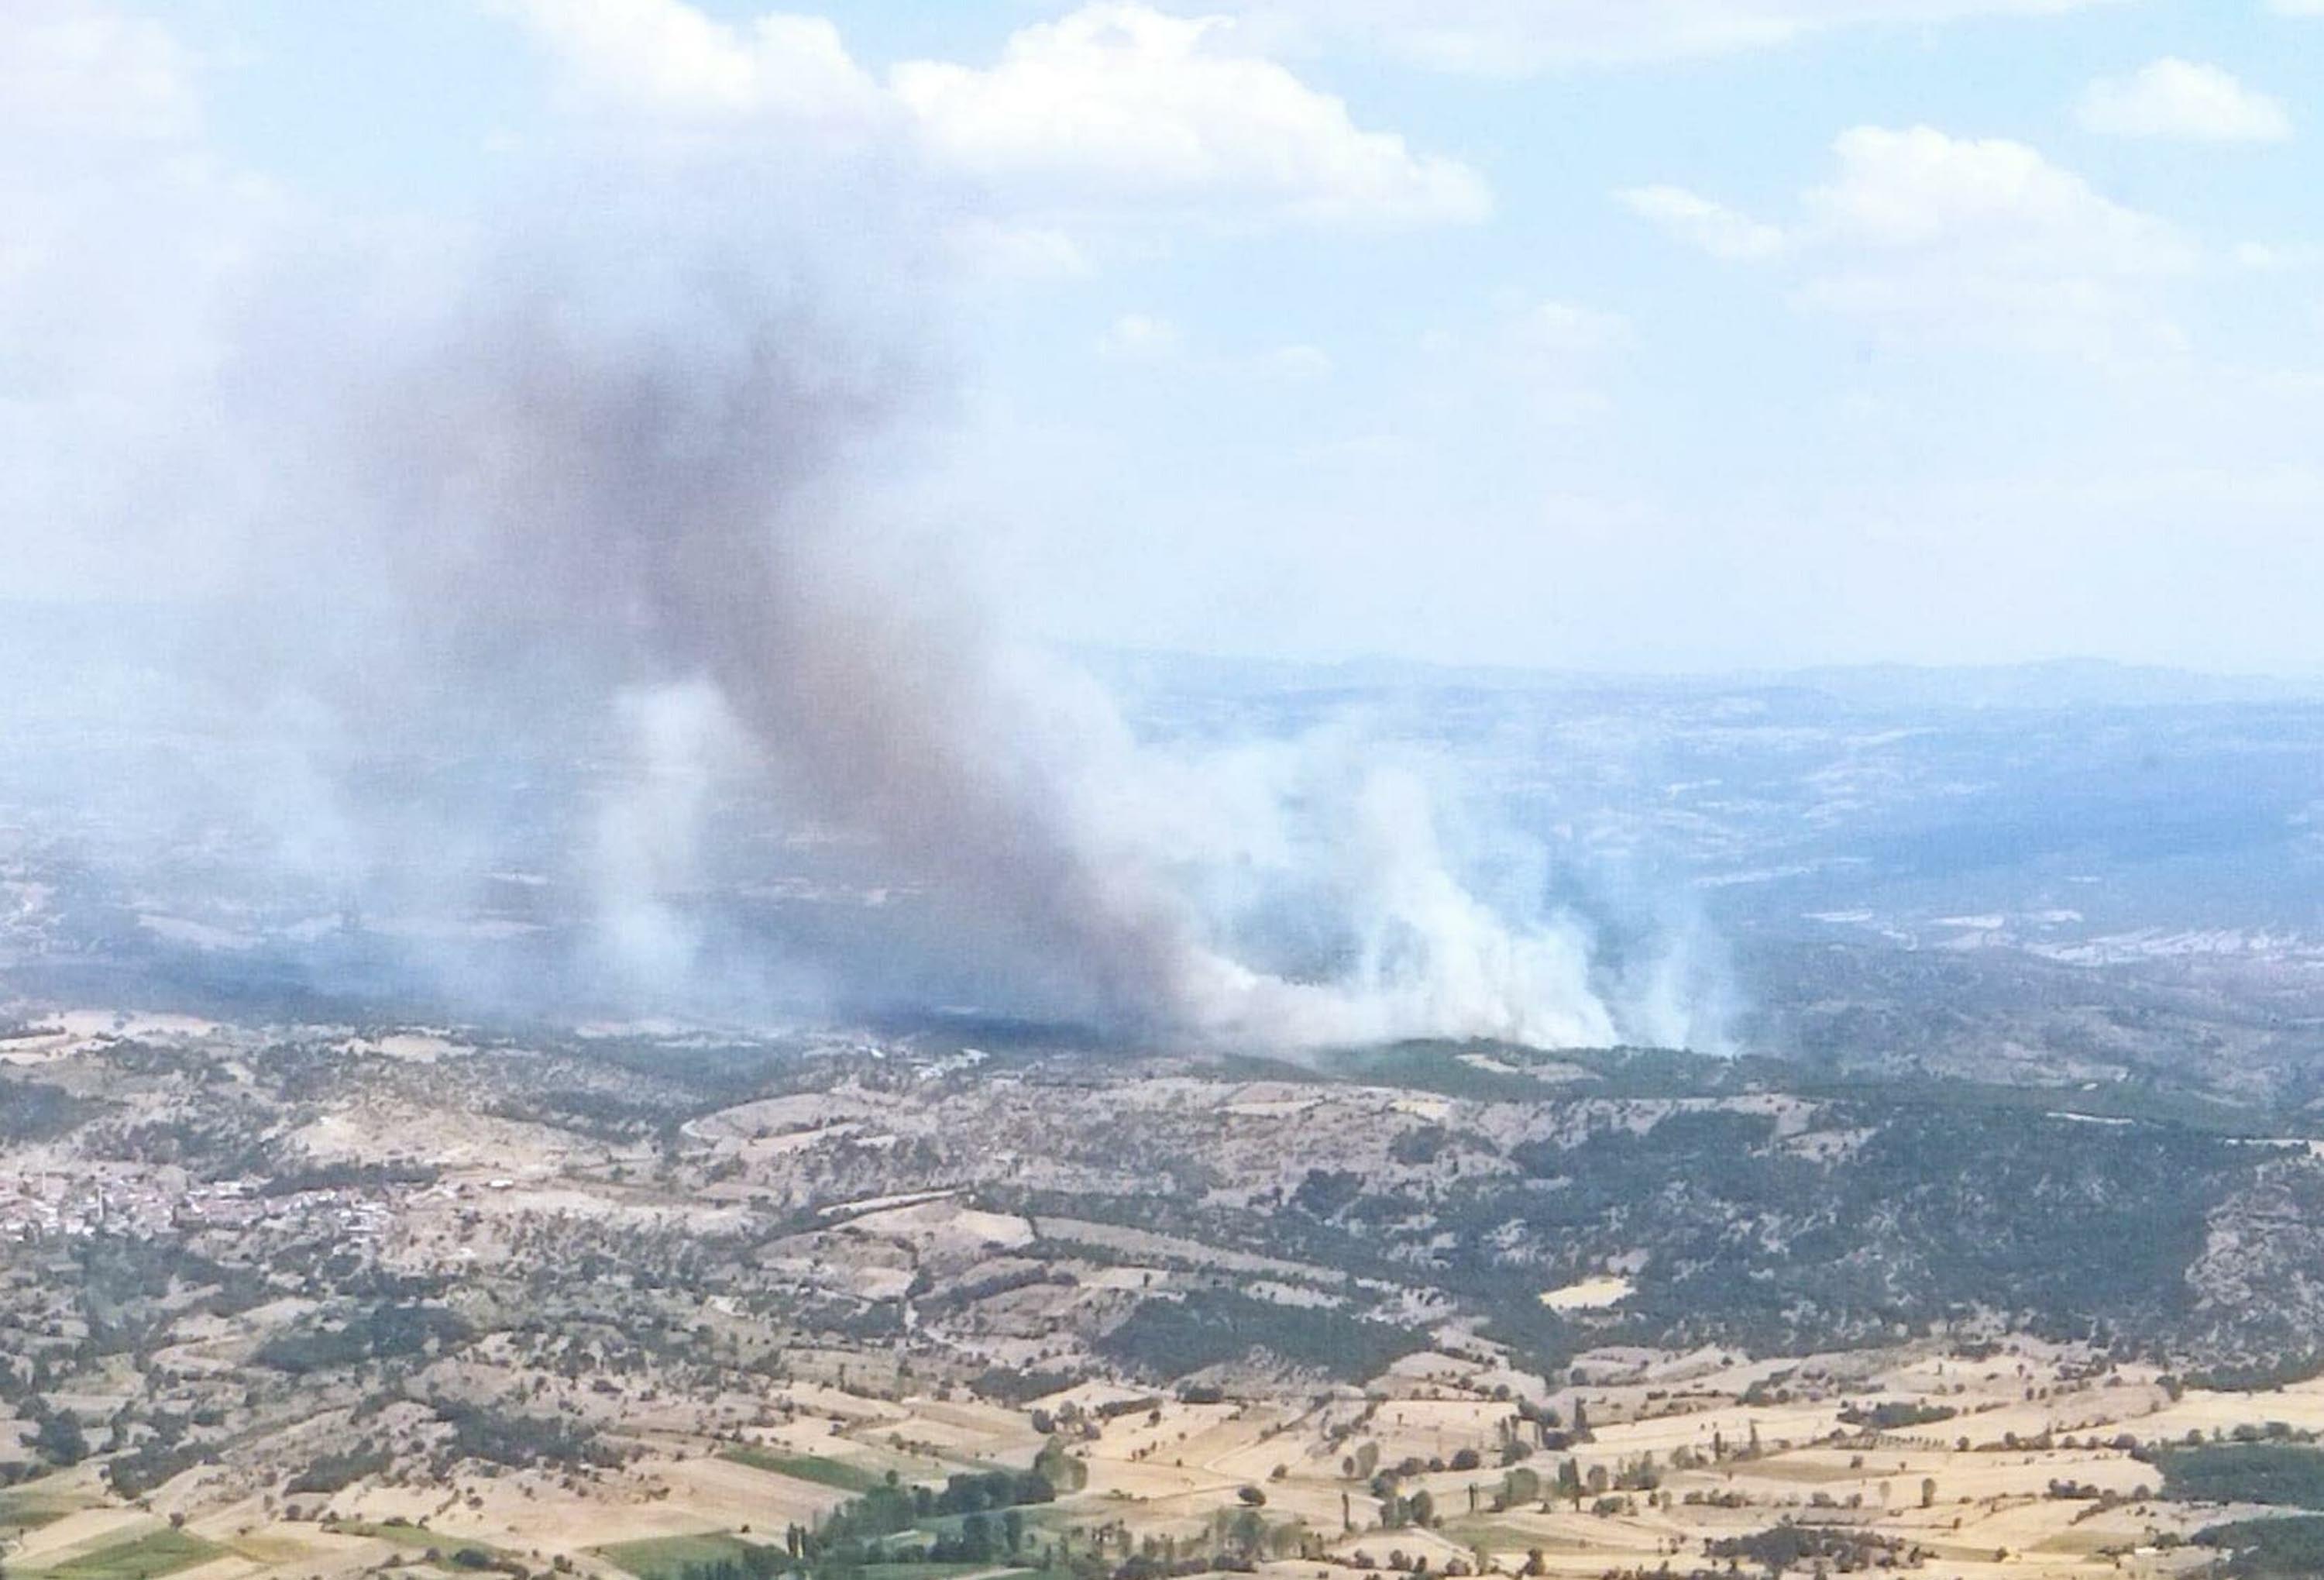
(1637, 335)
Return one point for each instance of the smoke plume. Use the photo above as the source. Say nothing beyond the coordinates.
(610, 459)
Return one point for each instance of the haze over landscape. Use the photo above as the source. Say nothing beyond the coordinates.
(1029, 791)
(758, 395)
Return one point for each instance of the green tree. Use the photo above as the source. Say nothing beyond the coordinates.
(60, 1440)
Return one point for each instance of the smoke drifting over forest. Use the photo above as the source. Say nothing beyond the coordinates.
(611, 461)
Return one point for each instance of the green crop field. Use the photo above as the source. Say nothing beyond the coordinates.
(666, 1557)
(156, 1553)
(808, 1467)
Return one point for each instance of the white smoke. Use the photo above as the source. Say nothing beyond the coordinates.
(612, 451)
(648, 858)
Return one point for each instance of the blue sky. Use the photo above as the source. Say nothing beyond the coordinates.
(1591, 333)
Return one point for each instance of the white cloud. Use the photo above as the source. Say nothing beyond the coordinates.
(665, 58)
(70, 70)
(1020, 252)
(2275, 257)
(1294, 364)
(1564, 329)
(1503, 38)
(1140, 337)
(1541, 362)
(1713, 228)
(1154, 342)
(1116, 103)
(1987, 200)
(2183, 100)
(1921, 235)
(1116, 114)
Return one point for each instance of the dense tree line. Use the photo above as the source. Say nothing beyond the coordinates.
(2288, 1473)
(1172, 1337)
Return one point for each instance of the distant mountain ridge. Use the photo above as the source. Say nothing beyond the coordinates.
(2046, 683)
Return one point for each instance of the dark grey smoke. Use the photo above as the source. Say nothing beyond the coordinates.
(627, 451)
(589, 497)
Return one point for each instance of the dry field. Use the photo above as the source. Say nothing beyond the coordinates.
(1683, 1448)
(1166, 1468)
